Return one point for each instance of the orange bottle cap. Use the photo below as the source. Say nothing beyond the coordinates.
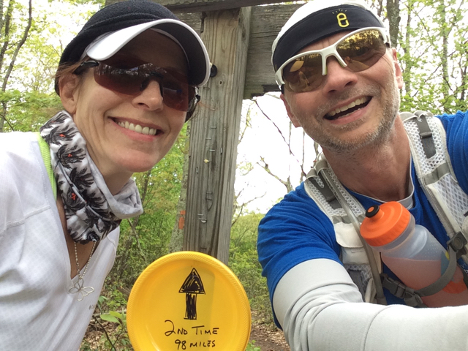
(384, 223)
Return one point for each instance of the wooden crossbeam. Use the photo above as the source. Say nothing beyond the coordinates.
(266, 22)
(184, 6)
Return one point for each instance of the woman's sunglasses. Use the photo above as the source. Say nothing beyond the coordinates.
(357, 50)
(128, 75)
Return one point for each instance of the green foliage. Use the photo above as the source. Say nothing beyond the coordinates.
(434, 56)
(251, 346)
(29, 110)
(27, 94)
(243, 260)
(113, 326)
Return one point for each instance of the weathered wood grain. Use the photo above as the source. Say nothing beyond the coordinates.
(214, 135)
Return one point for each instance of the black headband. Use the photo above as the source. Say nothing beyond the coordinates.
(319, 25)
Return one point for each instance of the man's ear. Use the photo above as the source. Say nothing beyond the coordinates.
(68, 87)
(291, 115)
(398, 72)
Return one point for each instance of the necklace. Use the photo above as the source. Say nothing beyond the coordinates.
(78, 287)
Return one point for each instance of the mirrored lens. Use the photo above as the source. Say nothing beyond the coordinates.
(304, 73)
(359, 51)
(131, 78)
(362, 50)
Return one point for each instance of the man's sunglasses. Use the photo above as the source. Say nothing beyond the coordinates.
(128, 75)
(357, 50)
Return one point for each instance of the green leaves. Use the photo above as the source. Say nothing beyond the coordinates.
(434, 45)
(27, 111)
(243, 260)
(114, 317)
(27, 68)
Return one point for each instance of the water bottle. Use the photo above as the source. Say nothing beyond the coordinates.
(412, 253)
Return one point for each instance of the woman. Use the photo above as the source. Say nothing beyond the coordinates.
(128, 82)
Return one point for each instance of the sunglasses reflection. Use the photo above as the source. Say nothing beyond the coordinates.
(357, 51)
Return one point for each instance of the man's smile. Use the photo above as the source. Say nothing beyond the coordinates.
(351, 107)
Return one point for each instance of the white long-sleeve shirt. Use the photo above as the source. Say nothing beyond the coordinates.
(37, 311)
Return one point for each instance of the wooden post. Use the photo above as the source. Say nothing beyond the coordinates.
(214, 135)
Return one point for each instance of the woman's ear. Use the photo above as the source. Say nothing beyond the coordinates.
(68, 87)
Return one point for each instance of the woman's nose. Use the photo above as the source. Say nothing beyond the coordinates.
(151, 96)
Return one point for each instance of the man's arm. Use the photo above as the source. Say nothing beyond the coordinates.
(320, 308)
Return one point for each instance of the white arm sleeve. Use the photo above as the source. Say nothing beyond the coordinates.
(320, 309)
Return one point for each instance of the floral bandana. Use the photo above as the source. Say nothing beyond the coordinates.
(91, 210)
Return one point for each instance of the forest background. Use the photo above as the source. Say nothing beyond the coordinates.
(431, 37)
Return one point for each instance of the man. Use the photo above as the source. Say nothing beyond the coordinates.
(340, 82)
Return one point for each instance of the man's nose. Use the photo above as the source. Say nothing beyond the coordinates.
(337, 77)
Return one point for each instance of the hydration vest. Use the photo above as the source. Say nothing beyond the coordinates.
(435, 174)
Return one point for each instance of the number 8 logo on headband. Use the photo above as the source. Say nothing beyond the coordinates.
(342, 20)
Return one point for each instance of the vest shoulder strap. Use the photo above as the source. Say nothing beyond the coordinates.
(436, 176)
(346, 214)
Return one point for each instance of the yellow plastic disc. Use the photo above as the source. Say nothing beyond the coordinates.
(188, 301)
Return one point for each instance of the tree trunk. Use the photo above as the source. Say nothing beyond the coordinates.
(393, 11)
(6, 26)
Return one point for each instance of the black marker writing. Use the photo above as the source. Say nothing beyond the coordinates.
(180, 331)
(199, 331)
(181, 344)
(192, 286)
